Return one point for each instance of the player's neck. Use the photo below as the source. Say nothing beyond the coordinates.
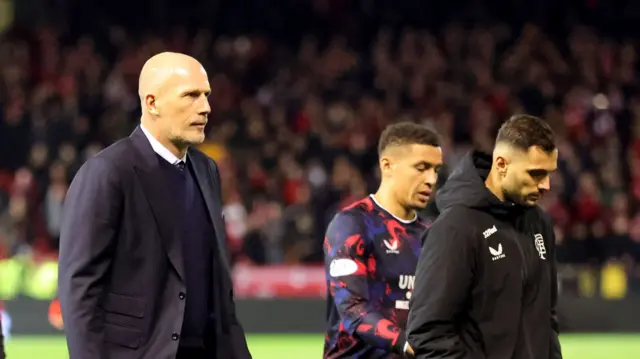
(493, 184)
(387, 200)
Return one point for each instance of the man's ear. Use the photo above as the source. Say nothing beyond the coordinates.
(386, 165)
(502, 165)
(152, 105)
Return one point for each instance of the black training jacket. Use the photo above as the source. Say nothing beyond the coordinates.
(485, 283)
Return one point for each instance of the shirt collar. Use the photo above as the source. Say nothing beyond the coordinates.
(405, 221)
(161, 150)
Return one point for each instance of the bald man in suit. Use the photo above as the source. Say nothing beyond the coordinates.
(143, 264)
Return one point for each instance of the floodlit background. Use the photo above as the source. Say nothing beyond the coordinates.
(301, 91)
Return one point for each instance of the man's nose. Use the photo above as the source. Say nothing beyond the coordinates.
(545, 184)
(205, 108)
(431, 178)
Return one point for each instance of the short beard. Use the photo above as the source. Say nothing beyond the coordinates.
(509, 198)
(181, 142)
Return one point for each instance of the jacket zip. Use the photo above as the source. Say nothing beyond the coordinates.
(523, 270)
(525, 273)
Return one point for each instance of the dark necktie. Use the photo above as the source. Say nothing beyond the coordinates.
(180, 165)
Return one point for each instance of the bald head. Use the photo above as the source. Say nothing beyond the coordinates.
(164, 69)
(174, 90)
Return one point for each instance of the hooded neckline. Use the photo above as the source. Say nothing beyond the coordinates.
(466, 187)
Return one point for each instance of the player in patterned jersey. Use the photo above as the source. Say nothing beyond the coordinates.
(372, 247)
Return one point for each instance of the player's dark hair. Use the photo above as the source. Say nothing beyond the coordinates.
(525, 131)
(407, 133)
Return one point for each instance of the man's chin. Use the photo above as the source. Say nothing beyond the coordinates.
(530, 202)
(525, 201)
(421, 204)
(195, 140)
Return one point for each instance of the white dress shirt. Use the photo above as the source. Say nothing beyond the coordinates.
(161, 150)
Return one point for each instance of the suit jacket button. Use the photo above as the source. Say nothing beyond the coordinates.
(175, 336)
(181, 295)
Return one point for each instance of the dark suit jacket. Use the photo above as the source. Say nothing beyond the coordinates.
(121, 269)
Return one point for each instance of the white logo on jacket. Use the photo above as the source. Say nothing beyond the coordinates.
(489, 231)
(539, 242)
(497, 253)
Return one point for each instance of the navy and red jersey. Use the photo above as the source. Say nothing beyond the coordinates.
(370, 260)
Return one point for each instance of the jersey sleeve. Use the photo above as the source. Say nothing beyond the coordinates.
(346, 262)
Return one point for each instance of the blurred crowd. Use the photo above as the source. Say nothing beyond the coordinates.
(294, 128)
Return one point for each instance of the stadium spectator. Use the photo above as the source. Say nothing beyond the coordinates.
(288, 117)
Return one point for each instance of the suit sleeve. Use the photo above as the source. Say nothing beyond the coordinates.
(347, 267)
(554, 345)
(238, 338)
(443, 278)
(240, 348)
(87, 239)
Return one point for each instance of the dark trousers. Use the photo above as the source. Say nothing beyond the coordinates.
(192, 353)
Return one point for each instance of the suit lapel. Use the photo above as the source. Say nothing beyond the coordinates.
(209, 186)
(156, 191)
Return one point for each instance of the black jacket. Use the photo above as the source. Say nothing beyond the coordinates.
(485, 283)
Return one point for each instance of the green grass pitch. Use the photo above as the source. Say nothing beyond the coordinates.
(291, 346)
